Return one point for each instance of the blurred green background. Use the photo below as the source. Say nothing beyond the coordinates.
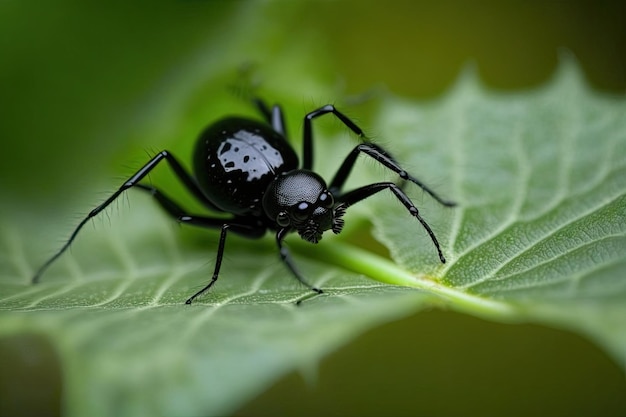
(78, 78)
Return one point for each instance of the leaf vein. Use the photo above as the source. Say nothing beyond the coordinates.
(544, 237)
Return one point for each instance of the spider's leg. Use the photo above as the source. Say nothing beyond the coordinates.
(382, 156)
(250, 227)
(263, 108)
(274, 115)
(246, 89)
(247, 226)
(285, 256)
(361, 193)
(218, 264)
(180, 172)
(307, 140)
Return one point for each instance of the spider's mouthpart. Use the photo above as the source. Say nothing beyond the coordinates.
(311, 233)
(338, 222)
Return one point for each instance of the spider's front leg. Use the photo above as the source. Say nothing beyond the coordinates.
(370, 149)
(383, 157)
(285, 256)
(361, 193)
(307, 140)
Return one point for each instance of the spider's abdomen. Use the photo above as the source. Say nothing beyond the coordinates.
(235, 161)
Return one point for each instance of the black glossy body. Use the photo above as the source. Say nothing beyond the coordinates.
(236, 159)
(248, 169)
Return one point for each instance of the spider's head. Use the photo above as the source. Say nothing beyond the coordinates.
(300, 200)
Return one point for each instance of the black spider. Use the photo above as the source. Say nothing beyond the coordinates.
(248, 169)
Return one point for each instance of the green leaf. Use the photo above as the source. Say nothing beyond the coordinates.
(114, 311)
(538, 236)
(540, 178)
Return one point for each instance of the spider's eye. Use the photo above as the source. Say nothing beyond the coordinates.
(326, 200)
(282, 219)
(301, 211)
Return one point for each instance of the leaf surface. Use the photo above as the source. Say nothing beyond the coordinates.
(538, 235)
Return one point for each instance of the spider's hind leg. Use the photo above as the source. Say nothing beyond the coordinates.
(179, 171)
